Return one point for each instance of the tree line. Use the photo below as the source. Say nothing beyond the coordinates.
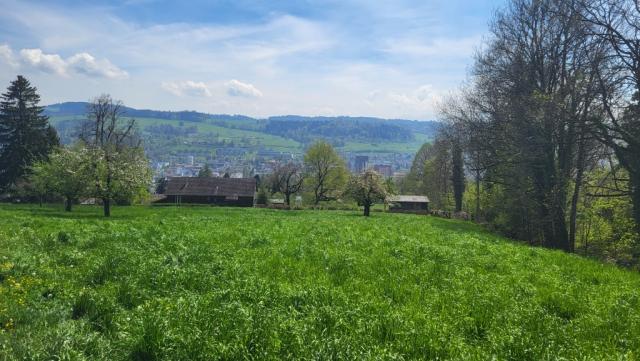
(338, 130)
(545, 134)
(324, 175)
(106, 162)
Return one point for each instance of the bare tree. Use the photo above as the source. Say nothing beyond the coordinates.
(287, 179)
(524, 114)
(616, 26)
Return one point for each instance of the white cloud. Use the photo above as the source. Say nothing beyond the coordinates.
(85, 63)
(49, 63)
(7, 54)
(297, 64)
(422, 100)
(187, 88)
(81, 63)
(237, 88)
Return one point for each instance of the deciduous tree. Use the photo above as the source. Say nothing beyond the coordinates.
(67, 172)
(326, 172)
(616, 27)
(119, 166)
(287, 179)
(367, 189)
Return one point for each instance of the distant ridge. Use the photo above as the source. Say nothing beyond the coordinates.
(80, 108)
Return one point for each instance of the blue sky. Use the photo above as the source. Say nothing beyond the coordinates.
(392, 59)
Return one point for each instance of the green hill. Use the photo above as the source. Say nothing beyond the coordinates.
(283, 133)
(208, 283)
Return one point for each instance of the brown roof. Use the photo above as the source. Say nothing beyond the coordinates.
(197, 186)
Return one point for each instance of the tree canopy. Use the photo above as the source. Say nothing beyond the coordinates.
(120, 169)
(326, 172)
(367, 189)
(25, 133)
(67, 172)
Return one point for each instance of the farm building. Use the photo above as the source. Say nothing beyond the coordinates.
(409, 204)
(220, 191)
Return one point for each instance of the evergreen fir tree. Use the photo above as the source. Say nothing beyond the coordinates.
(25, 133)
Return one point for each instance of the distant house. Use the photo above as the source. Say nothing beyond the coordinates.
(408, 204)
(220, 191)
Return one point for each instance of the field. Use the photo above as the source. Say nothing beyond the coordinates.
(240, 136)
(208, 283)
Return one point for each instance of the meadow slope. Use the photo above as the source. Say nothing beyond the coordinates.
(208, 283)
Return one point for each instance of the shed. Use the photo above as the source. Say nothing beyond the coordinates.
(221, 191)
(408, 203)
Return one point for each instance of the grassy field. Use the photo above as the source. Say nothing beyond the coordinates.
(218, 283)
(237, 135)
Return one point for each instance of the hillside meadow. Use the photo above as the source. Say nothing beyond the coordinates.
(204, 283)
(246, 133)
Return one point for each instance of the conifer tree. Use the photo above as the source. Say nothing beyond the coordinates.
(25, 133)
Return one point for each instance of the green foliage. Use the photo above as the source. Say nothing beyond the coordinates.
(262, 197)
(366, 189)
(67, 172)
(198, 284)
(326, 172)
(125, 174)
(205, 172)
(306, 130)
(25, 134)
(198, 137)
(605, 222)
(431, 174)
(390, 186)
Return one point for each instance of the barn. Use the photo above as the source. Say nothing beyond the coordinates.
(408, 204)
(239, 192)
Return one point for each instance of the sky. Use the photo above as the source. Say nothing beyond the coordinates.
(390, 59)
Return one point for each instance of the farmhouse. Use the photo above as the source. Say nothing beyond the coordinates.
(408, 204)
(221, 191)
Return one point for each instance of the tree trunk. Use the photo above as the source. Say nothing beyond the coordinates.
(576, 196)
(550, 193)
(367, 209)
(67, 204)
(477, 217)
(634, 186)
(457, 176)
(106, 205)
(555, 229)
(287, 199)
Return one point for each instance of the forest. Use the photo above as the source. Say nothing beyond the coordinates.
(542, 143)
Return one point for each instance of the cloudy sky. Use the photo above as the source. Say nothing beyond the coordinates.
(391, 59)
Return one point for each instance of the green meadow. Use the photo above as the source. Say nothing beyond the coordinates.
(205, 283)
(240, 136)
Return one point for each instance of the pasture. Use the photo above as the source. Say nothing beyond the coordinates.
(204, 283)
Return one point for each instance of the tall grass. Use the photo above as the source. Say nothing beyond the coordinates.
(216, 283)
